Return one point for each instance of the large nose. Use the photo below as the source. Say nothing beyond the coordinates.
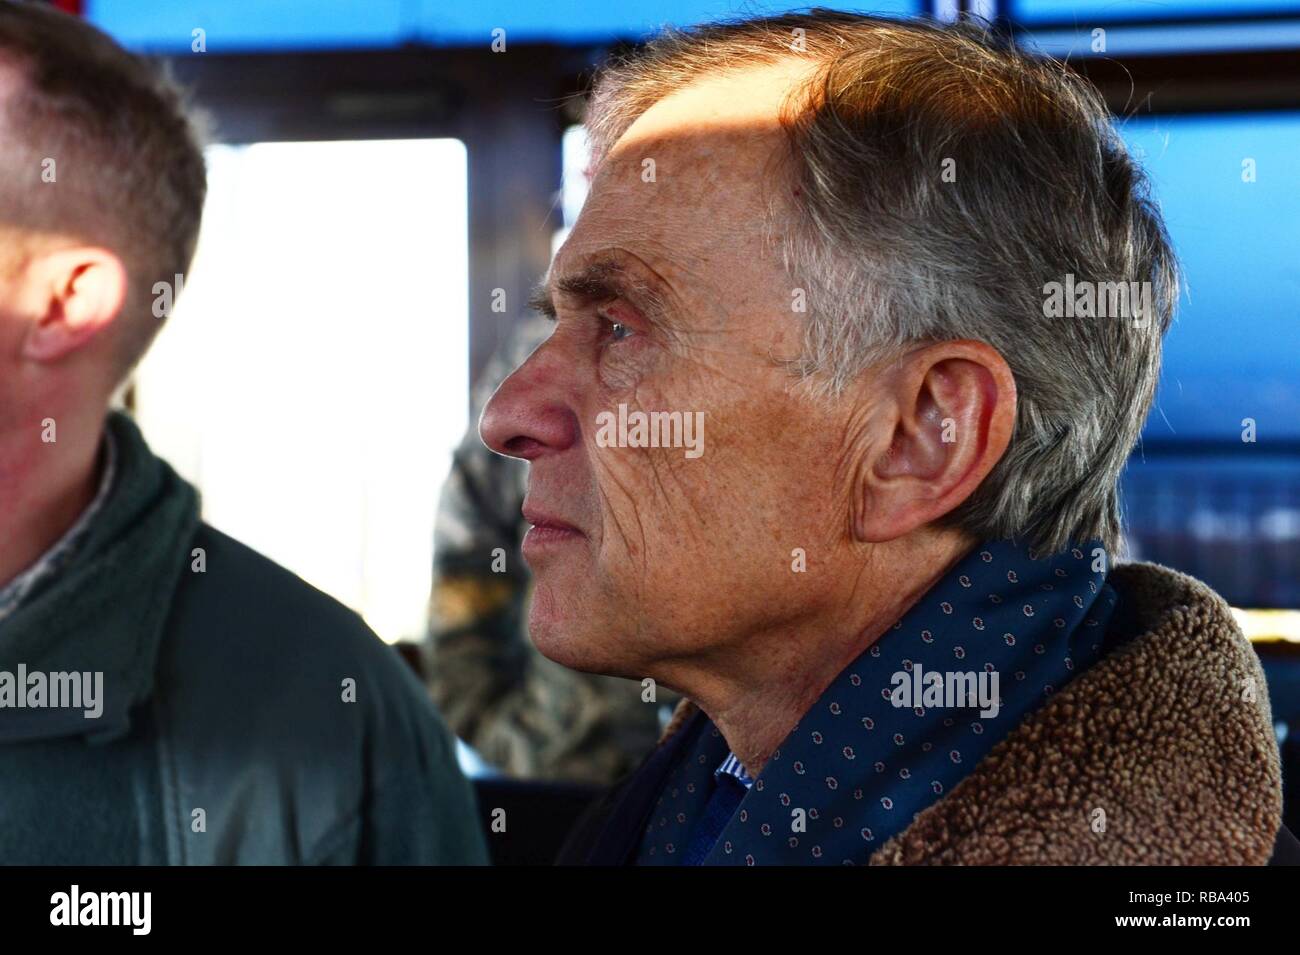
(527, 417)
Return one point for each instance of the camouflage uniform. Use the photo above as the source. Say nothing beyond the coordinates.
(523, 713)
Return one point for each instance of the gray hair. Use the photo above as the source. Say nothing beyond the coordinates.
(890, 253)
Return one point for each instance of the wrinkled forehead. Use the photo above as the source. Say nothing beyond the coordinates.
(693, 179)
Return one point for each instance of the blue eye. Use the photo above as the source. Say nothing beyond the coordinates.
(618, 331)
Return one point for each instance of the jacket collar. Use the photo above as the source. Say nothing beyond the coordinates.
(105, 611)
(60, 554)
(1162, 752)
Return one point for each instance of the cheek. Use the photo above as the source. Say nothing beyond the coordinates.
(622, 367)
(753, 467)
(639, 499)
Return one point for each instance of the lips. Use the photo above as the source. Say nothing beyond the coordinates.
(548, 522)
(549, 536)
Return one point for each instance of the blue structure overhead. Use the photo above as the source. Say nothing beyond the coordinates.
(1114, 11)
(236, 25)
(1125, 40)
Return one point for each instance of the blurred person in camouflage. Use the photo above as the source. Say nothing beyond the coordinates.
(523, 713)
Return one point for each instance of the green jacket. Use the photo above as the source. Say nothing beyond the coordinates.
(247, 718)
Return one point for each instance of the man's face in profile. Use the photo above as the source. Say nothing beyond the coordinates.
(668, 299)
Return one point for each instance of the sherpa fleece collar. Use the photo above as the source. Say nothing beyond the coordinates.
(1161, 753)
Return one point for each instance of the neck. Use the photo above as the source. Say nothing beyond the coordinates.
(45, 486)
(758, 688)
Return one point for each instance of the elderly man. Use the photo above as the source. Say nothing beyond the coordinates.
(167, 696)
(885, 585)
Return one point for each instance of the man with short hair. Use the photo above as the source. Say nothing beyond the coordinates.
(167, 696)
(880, 567)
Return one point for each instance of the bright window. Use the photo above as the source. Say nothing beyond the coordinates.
(312, 381)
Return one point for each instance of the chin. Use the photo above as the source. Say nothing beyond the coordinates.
(553, 627)
(568, 635)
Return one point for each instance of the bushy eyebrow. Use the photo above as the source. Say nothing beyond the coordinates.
(539, 300)
(600, 280)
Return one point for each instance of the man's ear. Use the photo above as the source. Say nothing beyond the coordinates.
(72, 294)
(949, 410)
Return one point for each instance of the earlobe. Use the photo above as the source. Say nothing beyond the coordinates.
(77, 293)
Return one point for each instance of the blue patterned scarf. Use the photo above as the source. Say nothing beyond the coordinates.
(902, 725)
